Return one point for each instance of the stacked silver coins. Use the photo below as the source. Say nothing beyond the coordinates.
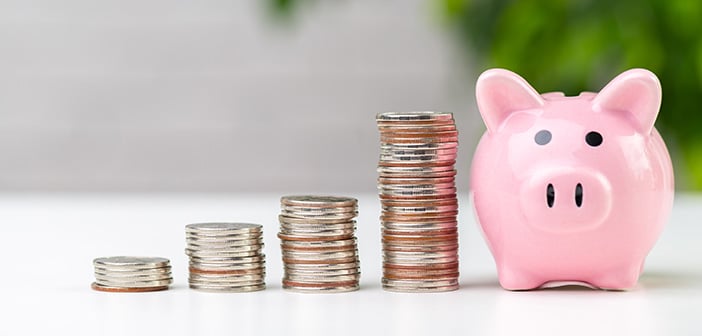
(226, 257)
(418, 197)
(131, 274)
(318, 243)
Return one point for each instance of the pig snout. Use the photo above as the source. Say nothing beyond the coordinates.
(566, 200)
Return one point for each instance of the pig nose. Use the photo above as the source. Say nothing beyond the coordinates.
(566, 199)
(551, 195)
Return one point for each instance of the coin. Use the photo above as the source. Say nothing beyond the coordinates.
(131, 274)
(318, 244)
(112, 289)
(207, 287)
(225, 257)
(416, 187)
(326, 201)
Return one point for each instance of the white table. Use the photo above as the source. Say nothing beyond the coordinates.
(51, 239)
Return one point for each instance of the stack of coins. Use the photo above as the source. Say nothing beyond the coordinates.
(318, 243)
(419, 204)
(226, 257)
(131, 274)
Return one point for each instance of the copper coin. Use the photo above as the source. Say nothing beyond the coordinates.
(415, 181)
(415, 219)
(410, 234)
(321, 249)
(419, 226)
(102, 288)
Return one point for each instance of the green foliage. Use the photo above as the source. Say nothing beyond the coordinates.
(574, 46)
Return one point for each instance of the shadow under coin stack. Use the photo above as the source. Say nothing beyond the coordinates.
(318, 243)
(131, 274)
(226, 257)
(418, 198)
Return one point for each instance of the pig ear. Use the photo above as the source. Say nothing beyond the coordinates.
(636, 91)
(500, 92)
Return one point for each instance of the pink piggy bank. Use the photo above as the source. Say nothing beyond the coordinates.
(570, 189)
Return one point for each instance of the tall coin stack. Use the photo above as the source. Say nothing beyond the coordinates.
(131, 274)
(226, 257)
(418, 197)
(318, 243)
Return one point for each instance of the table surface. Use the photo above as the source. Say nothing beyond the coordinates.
(51, 240)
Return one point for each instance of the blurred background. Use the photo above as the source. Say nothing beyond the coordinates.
(281, 95)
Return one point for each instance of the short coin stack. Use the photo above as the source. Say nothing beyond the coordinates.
(317, 238)
(131, 274)
(419, 204)
(226, 257)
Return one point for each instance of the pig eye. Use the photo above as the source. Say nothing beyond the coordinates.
(593, 139)
(542, 137)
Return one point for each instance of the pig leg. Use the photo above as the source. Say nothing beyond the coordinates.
(512, 278)
(620, 278)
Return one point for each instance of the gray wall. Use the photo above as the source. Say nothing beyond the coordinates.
(211, 95)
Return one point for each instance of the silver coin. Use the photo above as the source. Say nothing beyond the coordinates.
(224, 228)
(419, 147)
(318, 201)
(225, 248)
(224, 236)
(221, 254)
(319, 233)
(317, 210)
(422, 210)
(135, 284)
(317, 272)
(416, 170)
(318, 255)
(226, 267)
(129, 262)
(133, 271)
(418, 261)
(217, 242)
(228, 289)
(410, 289)
(322, 267)
(224, 284)
(393, 151)
(311, 221)
(345, 216)
(418, 227)
(319, 227)
(321, 279)
(223, 241)
(319, 244)
(103, 279)
(437, 254)
(414, 116)
(426, 186)
(400, 159)
(418, 192)
(232, 278)
(338, 289)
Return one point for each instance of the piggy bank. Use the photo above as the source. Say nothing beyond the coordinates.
(570, 189)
